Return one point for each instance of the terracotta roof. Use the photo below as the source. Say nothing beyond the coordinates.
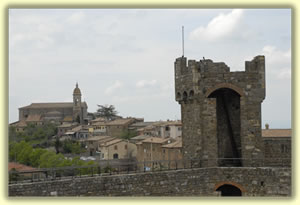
(120, 121)
(111, 142)
(67, 125)
(18, 124)
(68, 119)
(176, 144)
(176, 123)
(99, 138)
(76, 129)
(33, 118)
(140, 137)
(19, 167)
(141, 124)
(157, 140)
(276, 132)
(99, 119)
(99, 123)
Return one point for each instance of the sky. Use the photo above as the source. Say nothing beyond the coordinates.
(125, 57)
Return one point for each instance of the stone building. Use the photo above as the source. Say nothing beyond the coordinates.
(221, 111)
(61, 112)
(277, 145)
(111, 148)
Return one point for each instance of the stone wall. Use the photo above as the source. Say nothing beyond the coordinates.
(277, 151)
(196, 182)
(197, 83)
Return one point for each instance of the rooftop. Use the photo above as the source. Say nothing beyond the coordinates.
(176, 144)
(19, 167)
(276, 132)
(52, 105)
(120, 121)
(111, 142)
(156, 140)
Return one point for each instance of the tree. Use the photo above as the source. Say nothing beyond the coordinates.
(128, 134)
(107, 111)
(57, 145)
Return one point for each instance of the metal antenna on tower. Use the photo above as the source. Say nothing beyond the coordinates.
(182, 41)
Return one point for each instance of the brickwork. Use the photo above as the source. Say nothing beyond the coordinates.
(197, 182)
(220, 110)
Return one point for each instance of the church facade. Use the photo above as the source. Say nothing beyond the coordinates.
(61, 112)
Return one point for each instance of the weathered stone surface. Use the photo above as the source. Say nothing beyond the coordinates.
(221, 110)
(196, 182)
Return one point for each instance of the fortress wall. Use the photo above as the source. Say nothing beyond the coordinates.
(197, 182)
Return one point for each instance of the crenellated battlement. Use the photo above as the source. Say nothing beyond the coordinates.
(194, 77)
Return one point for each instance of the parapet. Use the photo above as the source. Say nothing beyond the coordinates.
(193, 78)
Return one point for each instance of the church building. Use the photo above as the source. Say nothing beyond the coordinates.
(61, 112)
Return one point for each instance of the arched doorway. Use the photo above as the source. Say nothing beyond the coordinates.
(229, 190)
(228, 126)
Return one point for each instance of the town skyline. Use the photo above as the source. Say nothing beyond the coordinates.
(125, 57)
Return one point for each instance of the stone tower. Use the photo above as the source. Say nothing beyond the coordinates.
(221, 111)
(77, 104)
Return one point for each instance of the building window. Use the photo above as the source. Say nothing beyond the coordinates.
(116, 147)
(164, 151)
(284, 149)
(115, 156)
(167, 128)
(126, 146)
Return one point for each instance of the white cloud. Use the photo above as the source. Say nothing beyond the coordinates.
(284, 73)
(76, 18)
(113, 87)
(144, 83)
(278, 61)
(275, 55)
(219, 27)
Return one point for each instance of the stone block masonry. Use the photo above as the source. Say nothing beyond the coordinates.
(221, 110)
(250, 181)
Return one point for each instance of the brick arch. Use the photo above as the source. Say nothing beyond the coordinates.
(229, 183)
(225, 85)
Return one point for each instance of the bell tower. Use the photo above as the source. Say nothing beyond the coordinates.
(77, 104)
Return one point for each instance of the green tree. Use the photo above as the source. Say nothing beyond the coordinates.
(50, 159)
(106, 111)
(35, 156)
(57, 145)
(128, 134)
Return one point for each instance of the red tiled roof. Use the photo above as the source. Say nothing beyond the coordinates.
(19, 167)
(276, 132)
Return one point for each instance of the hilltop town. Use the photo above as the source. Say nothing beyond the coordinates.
(77, 133)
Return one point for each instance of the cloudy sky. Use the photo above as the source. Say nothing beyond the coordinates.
(125, 57)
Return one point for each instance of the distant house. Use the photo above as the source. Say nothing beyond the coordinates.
(277, 145)
(16, 167)
(80, 132)
(138, 138)
(117, 149)
(98, 128)
(19, 125)
(117, 127)
(172, 151)
(62, 129)
(150, 149)
(108, 148)
(164, 129)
